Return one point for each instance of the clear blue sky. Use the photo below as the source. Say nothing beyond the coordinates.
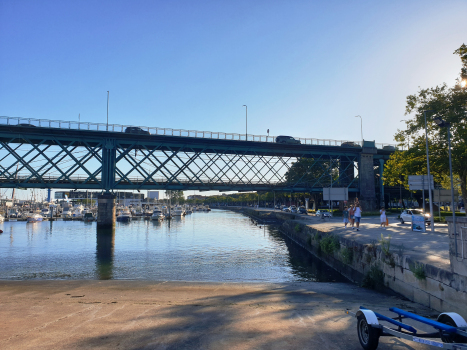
(304, 68)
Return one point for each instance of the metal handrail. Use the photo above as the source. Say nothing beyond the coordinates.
(60, 124)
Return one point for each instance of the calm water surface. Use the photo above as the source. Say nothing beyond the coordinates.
(220, 246)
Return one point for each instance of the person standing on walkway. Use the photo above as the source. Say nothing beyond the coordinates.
(345, 215)
(352, 215)
(358, 216)
(383, 217)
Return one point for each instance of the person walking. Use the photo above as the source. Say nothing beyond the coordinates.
(352, 216)
(383, 217)
(358, 216)
(345, 215)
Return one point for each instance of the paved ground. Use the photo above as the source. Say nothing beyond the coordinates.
(169, 315)
(427, 247)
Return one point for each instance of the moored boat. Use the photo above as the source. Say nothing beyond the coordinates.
(34, 217)
(157, 214)
(124, 216)
(178, 211)
(88, 216)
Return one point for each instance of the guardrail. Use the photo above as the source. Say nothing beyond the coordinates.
(60, 124)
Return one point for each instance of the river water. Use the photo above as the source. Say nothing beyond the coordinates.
(216, 246)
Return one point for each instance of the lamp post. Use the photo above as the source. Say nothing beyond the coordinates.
(441, 123)
(361, 126)
(107, 129)
(432, 220)
(246, 122)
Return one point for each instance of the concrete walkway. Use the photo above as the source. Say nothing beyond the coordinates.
(427, 247)
(184, 315)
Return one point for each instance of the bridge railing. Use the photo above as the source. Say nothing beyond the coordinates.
(77, 125)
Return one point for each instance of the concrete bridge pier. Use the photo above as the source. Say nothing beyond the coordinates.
(367, 176)
(106, 210)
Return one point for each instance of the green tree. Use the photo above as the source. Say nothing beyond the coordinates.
(176, 196)
(449, 103)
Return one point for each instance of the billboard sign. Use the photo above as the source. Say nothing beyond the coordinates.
(444, 195)
(336, 194)
(418, 223)
(420, 182)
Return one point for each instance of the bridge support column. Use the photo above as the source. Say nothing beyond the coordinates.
(366, 173)
(381, 184)
(106, 210)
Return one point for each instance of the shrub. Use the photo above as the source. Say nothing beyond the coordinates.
(347, 255)
(374, 278)
(419, 271)
(385, 244)
(298, 228)
(329, 244)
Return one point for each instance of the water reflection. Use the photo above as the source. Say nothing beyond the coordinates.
(217, 246)
(105, 243)
(305, 265)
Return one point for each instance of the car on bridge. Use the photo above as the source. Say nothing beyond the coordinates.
(349, 144)
(302, 210)
(136, 130)
(287, 139)
(293, 209)
(25, 124)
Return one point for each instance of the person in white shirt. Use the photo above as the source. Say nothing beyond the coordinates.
(358, 216)
(383, 217)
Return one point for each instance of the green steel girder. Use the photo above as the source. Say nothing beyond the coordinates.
(53, 158)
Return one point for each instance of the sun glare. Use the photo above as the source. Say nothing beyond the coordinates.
(463, 83)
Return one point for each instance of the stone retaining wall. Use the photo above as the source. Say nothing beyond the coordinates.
(371, 265)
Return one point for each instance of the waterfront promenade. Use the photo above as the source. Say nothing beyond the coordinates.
(426, 247)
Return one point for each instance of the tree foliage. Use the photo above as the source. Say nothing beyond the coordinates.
(175, 196)
(449, 103)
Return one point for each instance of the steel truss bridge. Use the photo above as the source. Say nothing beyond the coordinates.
(68, 155)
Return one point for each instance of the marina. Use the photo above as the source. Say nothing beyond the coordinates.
(220, 246)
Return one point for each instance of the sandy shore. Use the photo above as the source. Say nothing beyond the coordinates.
(187, 315)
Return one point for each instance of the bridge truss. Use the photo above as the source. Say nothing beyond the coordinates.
(41, 157)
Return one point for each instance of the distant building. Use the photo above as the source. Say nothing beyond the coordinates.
(153, 195)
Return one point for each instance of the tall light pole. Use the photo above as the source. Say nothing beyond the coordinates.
(361, 126)
(432, 220)
(441, 123)
(246, 122)
(107, 111)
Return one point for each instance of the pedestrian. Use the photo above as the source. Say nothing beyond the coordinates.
(383, 217)
(358, 216)
(345, 215)
(352, 216)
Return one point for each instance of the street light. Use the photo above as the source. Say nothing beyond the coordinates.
(441, 123)
(432, 220)
(361, 126)
(107, 111)
(246, 122)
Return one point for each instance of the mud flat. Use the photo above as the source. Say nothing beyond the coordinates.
(186, 315)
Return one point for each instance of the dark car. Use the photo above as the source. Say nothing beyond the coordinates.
(287, 139)
(349, 144)
(136, 130)
(302, 210)
(24, 124)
